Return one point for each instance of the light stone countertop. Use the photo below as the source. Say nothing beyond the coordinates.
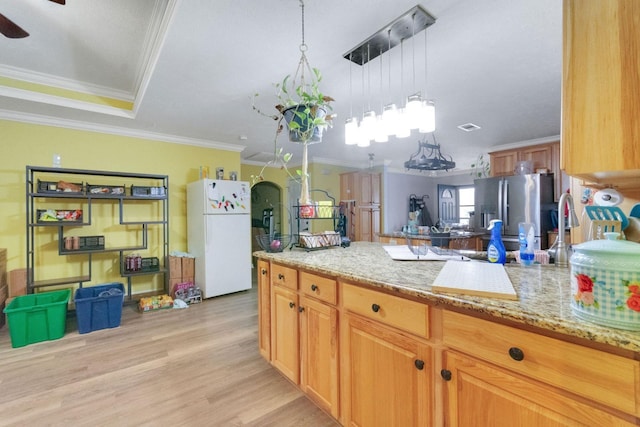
(544, 299)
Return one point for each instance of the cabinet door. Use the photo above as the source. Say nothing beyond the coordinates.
(264, 310)
(375, 188)
(480, 394)
(387, 378)
(540, 156)
(600, 95)
(503, 163)
(363, 181)
(319, 353)
(284, 332)
(375, 224)
(346, 186)
(363, 225)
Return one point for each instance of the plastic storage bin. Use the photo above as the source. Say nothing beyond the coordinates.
(99, 307)
(37, 317)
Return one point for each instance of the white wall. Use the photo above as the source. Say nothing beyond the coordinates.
(399, 186)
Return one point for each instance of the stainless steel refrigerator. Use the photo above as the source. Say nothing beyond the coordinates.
(515, 199)
(219, 235)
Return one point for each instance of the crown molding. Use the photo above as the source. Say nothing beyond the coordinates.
(115, 130)
(527, 143)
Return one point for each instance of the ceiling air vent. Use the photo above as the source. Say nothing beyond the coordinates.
(468, 127)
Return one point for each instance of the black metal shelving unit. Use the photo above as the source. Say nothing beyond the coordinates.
(42, 193)
(333, 218)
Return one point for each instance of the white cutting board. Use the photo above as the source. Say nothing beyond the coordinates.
(475, 278)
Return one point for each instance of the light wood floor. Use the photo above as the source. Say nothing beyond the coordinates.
(198, 366)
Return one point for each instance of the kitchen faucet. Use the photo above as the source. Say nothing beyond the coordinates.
(561, 249)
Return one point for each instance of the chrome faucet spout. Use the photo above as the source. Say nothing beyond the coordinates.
(561, 249)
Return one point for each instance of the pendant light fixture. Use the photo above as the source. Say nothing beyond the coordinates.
(429, 158)
(418, 113)
(428, 117)
(381, 133)
(351, 124)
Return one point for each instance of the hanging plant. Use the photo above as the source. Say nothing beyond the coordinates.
(306, 112)
(481, 168)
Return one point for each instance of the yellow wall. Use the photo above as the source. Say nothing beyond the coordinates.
(28, 144)
(321, 176)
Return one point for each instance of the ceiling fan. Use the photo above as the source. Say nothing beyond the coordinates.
(10, 29)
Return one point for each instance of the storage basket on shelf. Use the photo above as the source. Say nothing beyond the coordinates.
(273, 242)
(99, 307)
(37, 317)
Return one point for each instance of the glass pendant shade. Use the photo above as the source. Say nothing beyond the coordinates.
(351, 131)
(413, 111)
(390, 118)
(427, 117)
(362, 138)
(368, 125)
(380, 134)
(402, 129)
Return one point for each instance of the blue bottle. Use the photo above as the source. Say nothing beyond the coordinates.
(495, 251)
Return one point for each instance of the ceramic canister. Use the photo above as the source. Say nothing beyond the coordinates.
(605, 282)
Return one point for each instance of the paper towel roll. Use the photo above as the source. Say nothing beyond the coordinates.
(607, 197)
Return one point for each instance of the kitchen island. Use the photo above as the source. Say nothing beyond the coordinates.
(366, 338)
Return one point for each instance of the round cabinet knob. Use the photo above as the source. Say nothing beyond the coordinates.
(375, 308)
(300, 309)
(314, 288)
(419, 364)
(281, 276)
(264, 271)
(445, 374)
(291, 305)
(516, 354)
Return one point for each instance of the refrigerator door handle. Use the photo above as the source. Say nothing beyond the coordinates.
(501, 199)
(505, 203)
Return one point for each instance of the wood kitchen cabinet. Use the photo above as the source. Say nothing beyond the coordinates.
(363, 189)
(304, 333)
(285, 350)
(367, 224)
(600, 92)
(319, 353)
(522, 378)
(388, 376)
(319, 341)
(387, 363)
(285, 346)
(374, 357)
(481, 394)
(264, 309)
(543, 156)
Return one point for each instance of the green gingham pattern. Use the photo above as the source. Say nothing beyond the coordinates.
(611, 295)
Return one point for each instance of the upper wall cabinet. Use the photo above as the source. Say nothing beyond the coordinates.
(543, 156)
(601, 91)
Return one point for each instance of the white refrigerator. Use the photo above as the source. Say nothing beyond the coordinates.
(219, 235)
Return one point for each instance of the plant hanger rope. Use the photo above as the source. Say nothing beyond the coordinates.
(303, 63)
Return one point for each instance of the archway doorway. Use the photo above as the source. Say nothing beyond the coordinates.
(267, 211)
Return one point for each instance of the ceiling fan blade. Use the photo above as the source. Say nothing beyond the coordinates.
(62, 2)
(10, 29)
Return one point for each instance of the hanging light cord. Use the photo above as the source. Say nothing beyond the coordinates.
(425, 64)
(389, 65)
(350, 87)
(413, 45)
(303, 46)
(303, 63)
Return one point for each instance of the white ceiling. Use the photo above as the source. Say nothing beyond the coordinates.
(191, 67)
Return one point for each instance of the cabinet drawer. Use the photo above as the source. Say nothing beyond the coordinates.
(394, 311)
(319, 287)
(284, 276)
(594, 374)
